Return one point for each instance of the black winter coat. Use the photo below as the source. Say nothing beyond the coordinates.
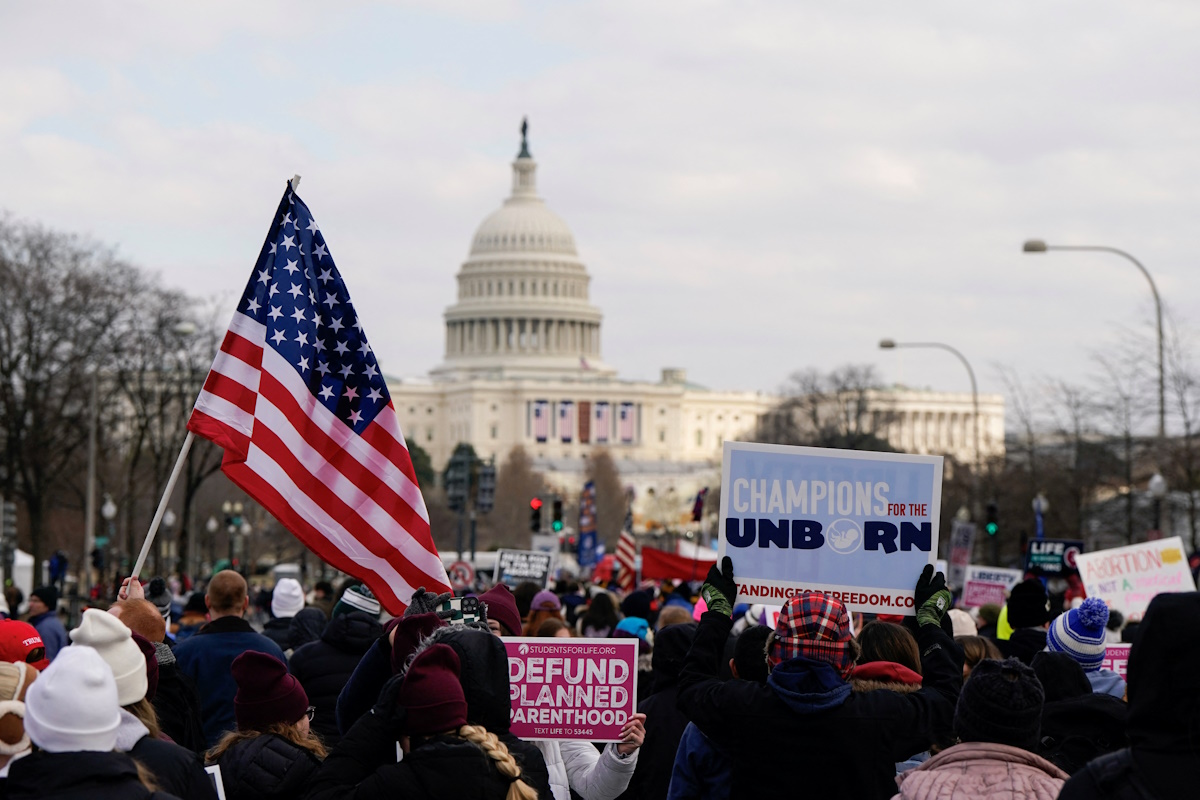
(665, 723)
(1163, 760)
(364, 767)
(178, 708)
(78, 776)
(485, 685)
(175, 769)
(1077, 729)
(267, 767)
(833, 743)
(323, 667)
(277, 630)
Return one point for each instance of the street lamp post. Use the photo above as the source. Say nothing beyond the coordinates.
(1039, 246)
(109, 512)
(1158, 490)
(212, 526)
(891, 344)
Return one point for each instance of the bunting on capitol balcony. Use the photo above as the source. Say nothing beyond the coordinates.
(296, 399)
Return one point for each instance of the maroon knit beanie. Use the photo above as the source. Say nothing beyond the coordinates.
(409, 633)
(432, 692)
(502, 607)
(151, 656)
(266, 692)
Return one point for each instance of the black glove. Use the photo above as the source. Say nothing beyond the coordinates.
(928, 585)
(719, 590)
(387, 709)
(424, 602)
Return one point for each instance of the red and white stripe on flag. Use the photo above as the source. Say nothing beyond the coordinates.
(626, 560)
(298, 401)
(352, 499)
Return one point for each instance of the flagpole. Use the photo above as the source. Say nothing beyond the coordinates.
(170, 487)
(162, 504)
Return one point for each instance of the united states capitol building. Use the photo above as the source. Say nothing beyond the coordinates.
(524, 366)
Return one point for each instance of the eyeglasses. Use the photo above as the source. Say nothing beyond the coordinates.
(310, 712)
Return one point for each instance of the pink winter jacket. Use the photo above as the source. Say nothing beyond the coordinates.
(982, 771)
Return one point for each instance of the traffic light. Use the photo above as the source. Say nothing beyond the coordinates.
(535, 518)
(992, 526)
(8, 522)
(557, 523)
(485, 493)
(98, 559)
(458, 478)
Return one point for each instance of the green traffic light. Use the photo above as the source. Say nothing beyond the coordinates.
(992, 529)
(557, 525)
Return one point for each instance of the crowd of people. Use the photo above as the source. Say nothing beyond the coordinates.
(162, 696)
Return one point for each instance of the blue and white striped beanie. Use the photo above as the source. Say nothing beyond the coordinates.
(1080, 634)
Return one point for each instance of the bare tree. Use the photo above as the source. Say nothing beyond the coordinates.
(1123, 405)
(516, 484)
(1183, 386)
(64, 303)
(843, 408)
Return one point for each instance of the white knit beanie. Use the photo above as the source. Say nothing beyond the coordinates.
(73, 706)
(109, 637)
(288, 599)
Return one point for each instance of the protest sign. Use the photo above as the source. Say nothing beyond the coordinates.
(985, 585)
(857, 525)
(518, 566)
(962, 537)
(571, 688)
(1116, 658)
(1128, 578)
(1052, 557)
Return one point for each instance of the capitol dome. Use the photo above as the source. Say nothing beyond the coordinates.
(522, 308)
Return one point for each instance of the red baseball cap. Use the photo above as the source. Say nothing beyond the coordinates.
(20, 641)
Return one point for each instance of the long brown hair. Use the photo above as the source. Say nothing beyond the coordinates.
(976, 649)
(310, 741)
(144, 710)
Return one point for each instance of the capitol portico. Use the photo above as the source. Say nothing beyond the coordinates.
(523, 366)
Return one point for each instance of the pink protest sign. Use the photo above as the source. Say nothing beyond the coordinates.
(1116, 658)
(571, 688)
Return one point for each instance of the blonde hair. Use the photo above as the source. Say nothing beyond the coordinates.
(144, 710)
(506, 765)
(310, 741)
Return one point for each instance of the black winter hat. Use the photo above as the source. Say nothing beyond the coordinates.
(48, 595)
(1002, 703)
(1028, 605)
(1061, 676)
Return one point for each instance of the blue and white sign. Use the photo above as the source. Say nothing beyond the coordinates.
(860, 526)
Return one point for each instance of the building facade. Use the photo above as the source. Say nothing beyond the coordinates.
(523, 366)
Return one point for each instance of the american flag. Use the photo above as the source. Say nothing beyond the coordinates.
(541, 420)
(627, 422)
(296, 399)
(626, 555)
(603, 422)
(566, 420)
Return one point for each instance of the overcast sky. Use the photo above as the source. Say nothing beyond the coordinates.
(755, 187)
